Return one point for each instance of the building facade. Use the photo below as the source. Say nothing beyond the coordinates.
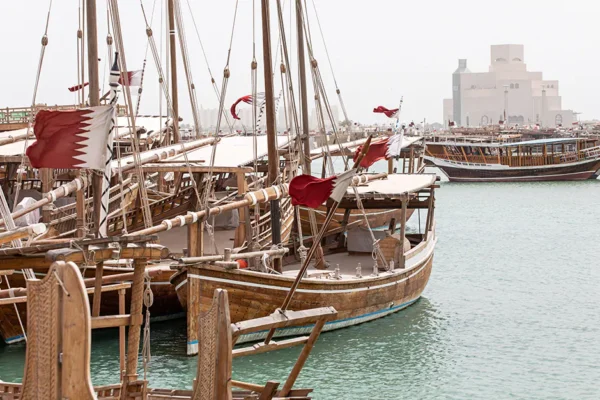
(507, 89)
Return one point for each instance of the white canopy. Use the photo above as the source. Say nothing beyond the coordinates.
(406, 142)
(233, 151)
(394, 185)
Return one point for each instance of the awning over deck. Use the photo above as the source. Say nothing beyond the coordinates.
(233, 151)
(407, 141)
(394, 186)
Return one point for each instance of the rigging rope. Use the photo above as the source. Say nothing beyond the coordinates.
(186, 65)
(22, 166)
(116, 20)
(337, 89)
(212, 79)
(208, 180)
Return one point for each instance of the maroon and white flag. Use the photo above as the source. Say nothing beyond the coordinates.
(134, 78)
(71, 139)
(309, 191)
(249, 99)
(78, 87)
(380, 150)
(388, 113)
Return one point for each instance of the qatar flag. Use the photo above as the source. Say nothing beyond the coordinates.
(249, 99)
(78, 87)
(388, 113)
(71, 139)
(309, 191)
(134, 78)
(383, 149)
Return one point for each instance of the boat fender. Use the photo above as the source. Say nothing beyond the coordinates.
(264, 193)
(194, 216)
(242, 264)
(253, 196)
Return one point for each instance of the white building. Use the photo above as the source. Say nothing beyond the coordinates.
(483, 98)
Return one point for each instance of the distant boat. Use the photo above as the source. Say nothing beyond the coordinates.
(557, 159)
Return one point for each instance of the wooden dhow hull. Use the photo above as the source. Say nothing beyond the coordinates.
(357, 299)
(470, 172)
(165, 306)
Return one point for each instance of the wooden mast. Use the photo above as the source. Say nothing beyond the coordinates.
(273, 154)
(92, 42)
(303, 95)
(173, 51)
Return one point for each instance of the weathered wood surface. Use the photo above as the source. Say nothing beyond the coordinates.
(253, 294)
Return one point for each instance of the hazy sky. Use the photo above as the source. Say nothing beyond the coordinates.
(380, 49)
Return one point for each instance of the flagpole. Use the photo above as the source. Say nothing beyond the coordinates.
(94, 96)
(397, 127)
(316, 243)
(273, 153)
(114, 85)
(173, 51)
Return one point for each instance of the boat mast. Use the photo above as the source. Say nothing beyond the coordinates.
(303, 95)
(273, 154)
(173, 50)
(94, 93)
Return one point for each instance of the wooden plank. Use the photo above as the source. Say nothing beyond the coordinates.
(269, 390)
(401, 261)
(261, 347)
(195, 169)
(76, 336)
(133, 343)
(98, 291)
(314, 335)
(224, 349)
(279, 320)
(111, 321)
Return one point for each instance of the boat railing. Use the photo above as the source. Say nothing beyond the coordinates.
(592, 152)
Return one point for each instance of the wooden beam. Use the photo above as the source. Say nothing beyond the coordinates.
(240, 231)
(261, 347)
(269, 390)
(194, 168)
(402, 233)
(98, 291)
(111, 321)
(279, 320)
(133, 343)
(314, 335)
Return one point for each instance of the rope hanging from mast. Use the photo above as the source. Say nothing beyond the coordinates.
(212, 79)
(337, 88)
(114, 12)
(22, 166)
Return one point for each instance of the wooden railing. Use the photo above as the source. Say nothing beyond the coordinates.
(525, 160)
(20, 115)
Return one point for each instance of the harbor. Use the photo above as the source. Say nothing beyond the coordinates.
(309, 235)
(509, 338)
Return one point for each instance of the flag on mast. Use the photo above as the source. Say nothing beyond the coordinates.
(70, 139)
(115, 77)
(310, 191)
(260, 101)
(393, 113)
(78, 87)
(133, 77)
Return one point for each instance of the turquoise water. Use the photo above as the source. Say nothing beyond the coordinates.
(511, 312)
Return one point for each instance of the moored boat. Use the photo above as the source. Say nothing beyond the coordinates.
(358, 289)
(556, 159)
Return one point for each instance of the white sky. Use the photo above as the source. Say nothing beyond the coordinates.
(380, 49)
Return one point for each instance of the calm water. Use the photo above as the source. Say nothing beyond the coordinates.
(511, 312)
